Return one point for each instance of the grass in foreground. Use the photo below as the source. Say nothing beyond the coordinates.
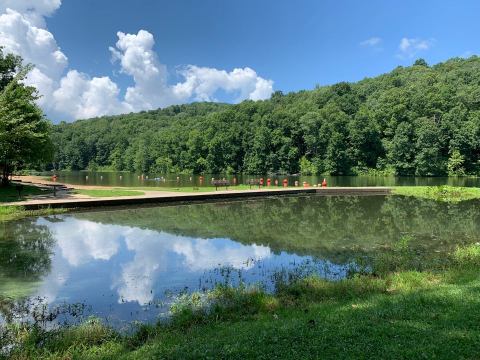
(9, 213)
(439, 193)
(108, 192)
(399, 315)
(10, 194)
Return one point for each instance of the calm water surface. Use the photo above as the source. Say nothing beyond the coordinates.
(130, 264)
(155, 180)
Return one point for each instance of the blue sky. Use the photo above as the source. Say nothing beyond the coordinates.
(295, 43)
(289, 45)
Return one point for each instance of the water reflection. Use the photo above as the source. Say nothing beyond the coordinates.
(129, 264)
(124, 272)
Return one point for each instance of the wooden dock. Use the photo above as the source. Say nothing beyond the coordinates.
(182, 197)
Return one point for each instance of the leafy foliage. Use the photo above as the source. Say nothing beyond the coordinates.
(416, 120)
(24, 132)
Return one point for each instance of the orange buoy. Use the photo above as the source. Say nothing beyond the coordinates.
(269, 182)
(285, 183)
(324, 183)
(261, 181)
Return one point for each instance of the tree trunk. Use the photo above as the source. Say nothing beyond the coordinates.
(5, 180)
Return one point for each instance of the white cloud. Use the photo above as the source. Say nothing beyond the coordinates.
(36, 45)
(137, 59)
(410, 47)
(372, 42)
(82, 97)
(77, 95)
(202, 83)
(135, 54)
(33, 10)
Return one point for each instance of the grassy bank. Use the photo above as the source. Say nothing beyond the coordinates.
(108, 192)
(205, 188)
(439, 193)
(395, 315)
(9, 213)
(9, 193)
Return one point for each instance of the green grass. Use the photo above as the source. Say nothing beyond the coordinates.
(10, 193)
(206, 188)
(439, 193)
(108, 192)
(9, 213)
(394, 315)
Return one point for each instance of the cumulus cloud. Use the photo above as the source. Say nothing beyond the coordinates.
(36, 45)
(84, 97)
(202, 83)
(372, 42)
(410, 47)
(68, 94)
(33, 10)
(135, 54)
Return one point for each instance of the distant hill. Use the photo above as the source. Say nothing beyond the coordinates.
(416, 120)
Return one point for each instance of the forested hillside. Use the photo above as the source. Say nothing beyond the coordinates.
(416, 120)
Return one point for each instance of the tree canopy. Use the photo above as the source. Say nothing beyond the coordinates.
(416, 120)
(24, 132)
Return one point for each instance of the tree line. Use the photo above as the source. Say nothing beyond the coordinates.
(417, 120)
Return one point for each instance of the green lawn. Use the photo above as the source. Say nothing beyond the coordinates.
(439, 193)
(399, 315)
(10, 193)
(206, 188)
(108, 192)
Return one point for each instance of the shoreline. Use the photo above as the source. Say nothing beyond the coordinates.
(156, 196)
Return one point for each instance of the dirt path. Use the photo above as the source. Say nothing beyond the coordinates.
(40, 180)
(67, 195)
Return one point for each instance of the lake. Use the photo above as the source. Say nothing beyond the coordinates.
(130, 264)
(170, 180)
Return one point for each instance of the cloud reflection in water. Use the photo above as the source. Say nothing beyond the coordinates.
(147, 258)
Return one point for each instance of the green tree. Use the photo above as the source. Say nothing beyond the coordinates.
(402, 151)
(24, 132)
(428, 158)
(455, 164)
